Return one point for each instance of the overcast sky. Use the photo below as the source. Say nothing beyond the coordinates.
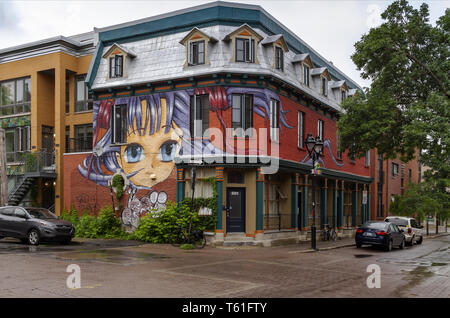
(330, 27)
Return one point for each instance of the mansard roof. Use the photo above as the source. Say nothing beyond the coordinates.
(216, 14)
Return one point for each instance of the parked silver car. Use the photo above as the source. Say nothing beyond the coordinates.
(412, 230)
(33, 225)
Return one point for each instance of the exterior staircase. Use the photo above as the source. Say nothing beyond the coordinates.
(21, 190)
(33, 166)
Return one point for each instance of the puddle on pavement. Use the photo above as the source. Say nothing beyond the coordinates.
(110, 256)
(439, 264)
(362, 255)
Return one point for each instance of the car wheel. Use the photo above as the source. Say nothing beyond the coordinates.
(389, 246)
(358, 245)
(402, 244)
(420, 240)
(33, 237)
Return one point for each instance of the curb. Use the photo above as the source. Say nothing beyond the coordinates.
(323, 248)
(435, 235)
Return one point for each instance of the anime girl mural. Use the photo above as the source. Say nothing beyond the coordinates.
(157, 130)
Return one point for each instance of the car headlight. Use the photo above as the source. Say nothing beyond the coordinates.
(48, 225)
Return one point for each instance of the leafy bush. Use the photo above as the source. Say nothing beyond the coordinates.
(106, 225)
(158, 227)
(117, 184)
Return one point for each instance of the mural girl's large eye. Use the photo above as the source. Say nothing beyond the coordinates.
(134, 153)
(168, 150)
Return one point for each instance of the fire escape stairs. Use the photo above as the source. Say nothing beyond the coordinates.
(20, 191)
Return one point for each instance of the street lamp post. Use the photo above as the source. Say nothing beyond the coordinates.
(314, 147)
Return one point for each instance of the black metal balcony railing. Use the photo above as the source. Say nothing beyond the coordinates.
(31, 162)
(78, 145)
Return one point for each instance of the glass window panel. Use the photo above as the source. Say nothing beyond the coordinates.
(8, 110)
(80, 89)
(27, 95)
(119, 65)
(248, 111)
(7, 93)
(112, 67)
(240, 50)
(205, 113)
(27, 108)
(236, 110)
(9, 136)
(201, 52)
(19, 91)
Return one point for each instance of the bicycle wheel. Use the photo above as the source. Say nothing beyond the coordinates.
(325, 235)
(198, 239)
(334, 235)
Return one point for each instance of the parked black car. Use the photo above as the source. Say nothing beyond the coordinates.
(33, 225)
(381, 234)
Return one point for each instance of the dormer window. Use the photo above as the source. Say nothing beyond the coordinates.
(343, 95)
(197, 53)
(117, 56)
(321, 78)
(245, 50)
(306, 75)
(279, 58)
(196, 43)
(116, 66)
(245, 41)
(324, 86)
(304, 68)
(279, 48)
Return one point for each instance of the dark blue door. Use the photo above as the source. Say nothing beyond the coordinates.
(236, 210)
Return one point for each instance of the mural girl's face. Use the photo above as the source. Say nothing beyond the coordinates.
(151, 155)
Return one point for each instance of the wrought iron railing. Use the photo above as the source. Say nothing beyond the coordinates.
(32, 162)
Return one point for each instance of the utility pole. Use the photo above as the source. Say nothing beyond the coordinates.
(3, 178)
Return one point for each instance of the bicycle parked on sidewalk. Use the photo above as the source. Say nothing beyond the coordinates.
(329, 233)
(181, 236)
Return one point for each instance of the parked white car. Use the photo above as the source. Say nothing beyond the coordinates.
(410, 227)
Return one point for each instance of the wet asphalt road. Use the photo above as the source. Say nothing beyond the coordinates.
(111, 268)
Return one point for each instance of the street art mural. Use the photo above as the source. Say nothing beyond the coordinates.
(157, 130)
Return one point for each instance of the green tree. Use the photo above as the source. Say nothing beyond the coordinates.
(407, 106)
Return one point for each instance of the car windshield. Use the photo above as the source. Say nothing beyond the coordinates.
(375, 225)
(42, 214)
(396, 221)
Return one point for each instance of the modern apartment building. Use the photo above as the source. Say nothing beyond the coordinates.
(43, 105)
